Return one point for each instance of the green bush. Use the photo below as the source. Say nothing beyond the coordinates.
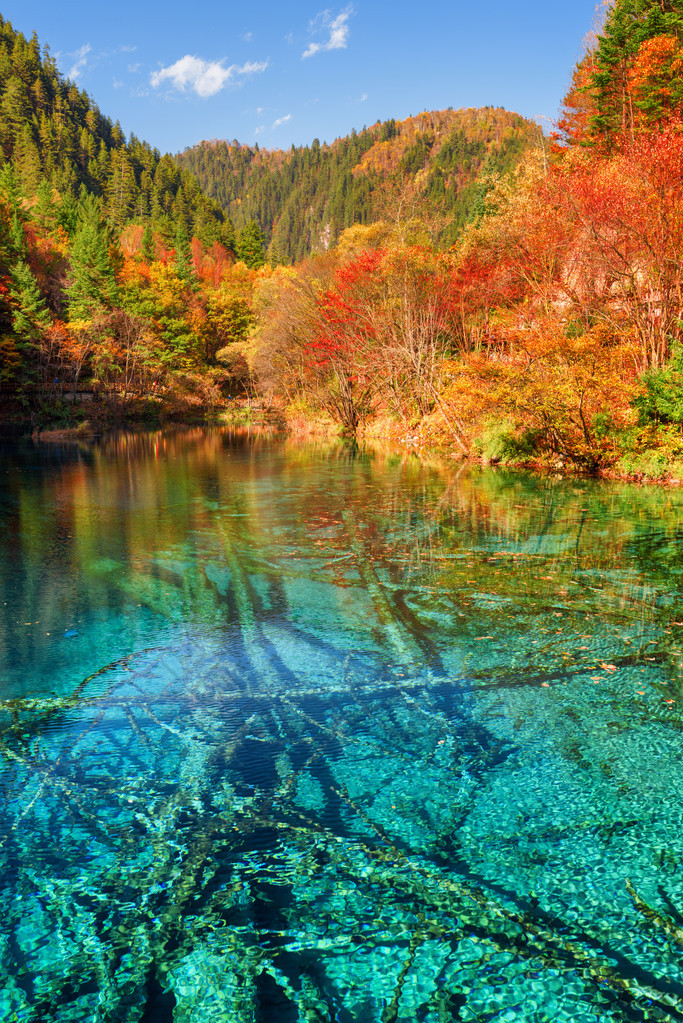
(499, 442)
(650, 464)
(603, 425)
(662, 398)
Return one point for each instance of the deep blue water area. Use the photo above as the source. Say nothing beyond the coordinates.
(305, 732)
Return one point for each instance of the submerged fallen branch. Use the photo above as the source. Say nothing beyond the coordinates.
(661, 922)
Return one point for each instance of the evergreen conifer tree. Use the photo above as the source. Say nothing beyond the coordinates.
(27, 161)
(183, 258)
(29, 313)
(8, 185)
(250, 246)
(147, 247)
(93, 285)
(17, 237)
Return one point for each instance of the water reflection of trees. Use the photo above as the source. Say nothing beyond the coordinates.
(132, 520)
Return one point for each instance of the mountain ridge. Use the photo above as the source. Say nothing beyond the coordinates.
(304, 197)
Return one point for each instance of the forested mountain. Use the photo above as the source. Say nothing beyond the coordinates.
(53, 135)
(117, 273)
(304, 198)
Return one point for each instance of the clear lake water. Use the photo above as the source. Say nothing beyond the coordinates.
(301, 732)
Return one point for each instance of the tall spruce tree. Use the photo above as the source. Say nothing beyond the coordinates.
(183, 258)
(29, 312)
(147, 247)
(93, 285)
(250, 245)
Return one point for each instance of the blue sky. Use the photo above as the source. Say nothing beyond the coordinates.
(285, 73)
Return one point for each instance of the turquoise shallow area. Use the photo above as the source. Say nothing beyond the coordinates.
(306, 733)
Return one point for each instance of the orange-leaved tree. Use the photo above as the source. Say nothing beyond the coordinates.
(563, 390)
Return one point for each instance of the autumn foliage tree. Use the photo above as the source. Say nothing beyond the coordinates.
(630, 213)
(287, 317)
(562, 390)
(380, 333)
(340, 359)
(573, 126)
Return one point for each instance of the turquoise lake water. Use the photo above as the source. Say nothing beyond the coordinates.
(297, 732)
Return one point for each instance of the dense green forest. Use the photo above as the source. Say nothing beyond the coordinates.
(54, 137)
(304, 198)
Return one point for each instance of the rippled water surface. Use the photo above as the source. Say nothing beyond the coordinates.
(300, 733)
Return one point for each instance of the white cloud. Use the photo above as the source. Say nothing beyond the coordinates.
(85, 59)
(203, 77)
(259, 131)
(248, 36)
(134, 68)
(337, 28)
(282, 120)
(364, 97)
(80, 62)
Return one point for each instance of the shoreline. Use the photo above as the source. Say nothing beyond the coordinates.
(300, 426)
